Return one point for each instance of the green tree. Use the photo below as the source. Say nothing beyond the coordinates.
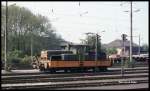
(91, 40)
(111, 51)
(23, 26)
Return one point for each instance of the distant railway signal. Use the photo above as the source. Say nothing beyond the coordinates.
(124, 37)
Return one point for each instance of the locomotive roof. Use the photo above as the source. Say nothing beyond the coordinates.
(55, 50)
(75, 45)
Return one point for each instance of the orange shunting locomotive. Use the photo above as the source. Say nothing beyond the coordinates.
(72, 58)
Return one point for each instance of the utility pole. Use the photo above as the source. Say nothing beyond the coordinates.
(31, 48)
(139, 45)
(6, 37)
(131, 36)
(96, 49)
(96, 46)
(96, 42)
(100, 43)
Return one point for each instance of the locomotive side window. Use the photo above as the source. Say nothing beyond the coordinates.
(70, 57)
(56, 58)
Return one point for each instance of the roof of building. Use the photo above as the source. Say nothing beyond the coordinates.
(119, 43)
(73, 45)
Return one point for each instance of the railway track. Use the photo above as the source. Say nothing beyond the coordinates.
(116, 71)
(53, 81)
(66, 79)
(53, 78)
(54, 85)
(140, 86)
(61, 73)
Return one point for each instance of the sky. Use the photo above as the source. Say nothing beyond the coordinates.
(109, 19)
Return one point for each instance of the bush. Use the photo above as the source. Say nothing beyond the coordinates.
(16, 60)
(26, 60)
(111, 51)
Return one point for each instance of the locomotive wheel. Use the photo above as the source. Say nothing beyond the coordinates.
(65, 70)
(96, 69)
(81, 69)
(76, 70)
(103, 69)
(52, 70)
